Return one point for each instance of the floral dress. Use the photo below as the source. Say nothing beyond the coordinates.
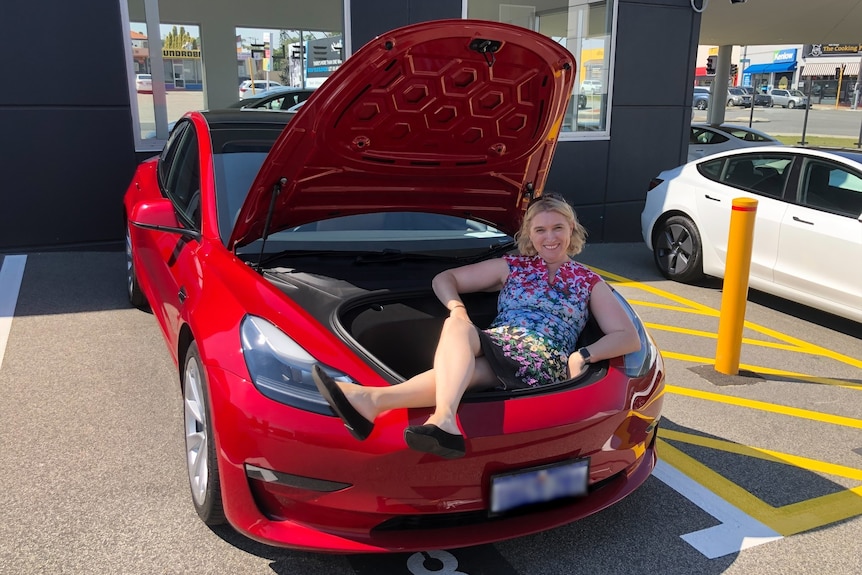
(538, 322)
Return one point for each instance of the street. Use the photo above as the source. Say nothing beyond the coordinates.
(822, 120)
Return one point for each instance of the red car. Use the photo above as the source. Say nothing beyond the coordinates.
(266, 244)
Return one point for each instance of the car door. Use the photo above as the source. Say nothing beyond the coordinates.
(820, 246)
(760, 176)
(168, 256)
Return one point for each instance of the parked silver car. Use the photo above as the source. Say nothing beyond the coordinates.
(788, 98)
(738, 97)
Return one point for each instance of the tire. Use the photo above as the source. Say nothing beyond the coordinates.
(701, 105)
(133, 289)
(201, 461)
(730, 103)
(677, 249)
(791, 104)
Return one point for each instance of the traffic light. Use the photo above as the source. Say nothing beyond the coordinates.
(734, 69)
(710, 66)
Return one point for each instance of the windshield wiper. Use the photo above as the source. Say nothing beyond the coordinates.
(493, 251)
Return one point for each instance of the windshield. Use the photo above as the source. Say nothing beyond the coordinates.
(238, 163)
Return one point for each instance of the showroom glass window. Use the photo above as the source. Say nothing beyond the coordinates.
(585, 28)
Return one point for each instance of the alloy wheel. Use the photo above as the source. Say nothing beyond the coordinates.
(197, 437)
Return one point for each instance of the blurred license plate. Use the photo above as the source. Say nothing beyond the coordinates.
(538, 484)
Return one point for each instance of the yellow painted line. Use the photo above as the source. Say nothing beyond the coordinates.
(707, 312)
(764, 454)
(768, 407)
(766, 370)
(692, 307)
(720, 485)
(714, 335)
(787, 520)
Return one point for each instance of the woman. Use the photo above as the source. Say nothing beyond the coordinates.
(545, 300)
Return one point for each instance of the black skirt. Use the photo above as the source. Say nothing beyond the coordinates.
(504, 367)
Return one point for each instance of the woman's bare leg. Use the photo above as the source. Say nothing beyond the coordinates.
(456, 369)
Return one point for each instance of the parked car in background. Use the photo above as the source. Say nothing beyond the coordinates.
(738, 97)
(250, 88)
(788, 98)
(270, 248)
(701, 98)
(761, 99)
(144, 82)
(276, 98)
(706, 139)
(591, 86)
(807, 231)
(582, 101)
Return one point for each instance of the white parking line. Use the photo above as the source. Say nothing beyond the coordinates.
(737, 530)
(10, 283)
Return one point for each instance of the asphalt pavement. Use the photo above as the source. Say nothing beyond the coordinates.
(760, 472)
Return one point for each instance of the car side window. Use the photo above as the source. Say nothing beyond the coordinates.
(711, 170)
(183, 184)
(763, 174)
(831, 188)
(166, 159)
(707, 137)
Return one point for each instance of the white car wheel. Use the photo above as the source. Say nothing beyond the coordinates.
(200, 442)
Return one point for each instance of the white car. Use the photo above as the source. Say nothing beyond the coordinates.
(144, 82)
(249, 87)
(808, 225)
(705, 139)
(591, 87)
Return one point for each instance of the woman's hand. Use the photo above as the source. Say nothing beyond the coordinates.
(577, 364)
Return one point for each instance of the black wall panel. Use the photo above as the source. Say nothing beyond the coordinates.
(69, 151)
(370, 18)
(64, 180)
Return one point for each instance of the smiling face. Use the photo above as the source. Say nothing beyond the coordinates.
(550, 234)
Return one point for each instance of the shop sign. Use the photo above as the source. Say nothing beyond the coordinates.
(786, 55)
(831, 49)
(181, 54)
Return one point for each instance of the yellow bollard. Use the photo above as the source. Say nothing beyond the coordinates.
(735, 292)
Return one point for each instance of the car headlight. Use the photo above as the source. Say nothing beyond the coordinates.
(280, 368)
(638, 363)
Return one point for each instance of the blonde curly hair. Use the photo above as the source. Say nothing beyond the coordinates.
(550, 202)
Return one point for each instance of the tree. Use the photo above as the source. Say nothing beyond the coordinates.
(180, 40)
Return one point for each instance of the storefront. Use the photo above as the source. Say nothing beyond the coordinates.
(830, 73)
(779, 73)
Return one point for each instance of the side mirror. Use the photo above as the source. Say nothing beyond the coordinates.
(159, 215)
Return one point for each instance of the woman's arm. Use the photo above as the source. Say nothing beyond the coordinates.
(488, 275)
(620, 337)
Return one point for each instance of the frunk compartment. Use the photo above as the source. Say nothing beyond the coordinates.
(401, 330)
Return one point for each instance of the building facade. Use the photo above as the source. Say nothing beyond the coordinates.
(75, 149)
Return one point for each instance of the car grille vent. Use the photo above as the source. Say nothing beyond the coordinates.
(449, 520)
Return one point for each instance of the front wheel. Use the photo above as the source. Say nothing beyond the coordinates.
(677, 249)
(133, 289)
(791, 104)
(200, 442)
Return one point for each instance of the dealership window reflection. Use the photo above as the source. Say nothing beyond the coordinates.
(585, 29)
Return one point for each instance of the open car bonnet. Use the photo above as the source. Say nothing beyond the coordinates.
(456, 117)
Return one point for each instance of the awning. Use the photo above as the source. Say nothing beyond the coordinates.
(769, 68)
(828, 69)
